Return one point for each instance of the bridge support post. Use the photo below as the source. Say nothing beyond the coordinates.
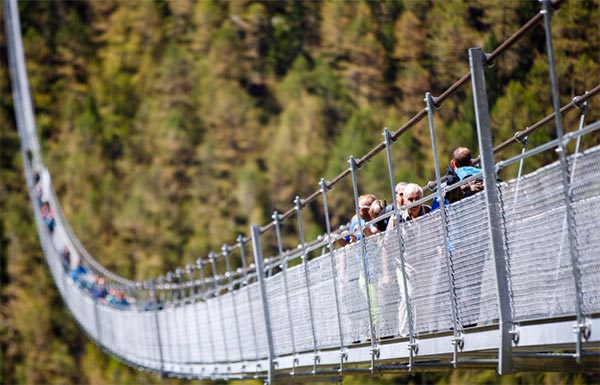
(241, 241)
(212, 259)
(457, 340)
(260, 273)
(172, 322)
(477, 61)
(233, 293)
(366, 272)
(412, 341)
(334, 279)
(298, 203)
(160, 352)
(580, 326)
(277, 223)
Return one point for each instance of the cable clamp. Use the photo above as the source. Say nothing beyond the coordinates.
(488, 62)
(325, 186)
(515, 334)
(584, 328)
(582, 105)
(459, 341)
(414, 346)
(524, 140)
(387, 134)
(375, 351)
(432, 100)
(298, 202)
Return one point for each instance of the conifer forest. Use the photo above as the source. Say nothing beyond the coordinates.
(169, 127)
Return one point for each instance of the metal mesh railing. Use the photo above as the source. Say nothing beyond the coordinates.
(541, 277)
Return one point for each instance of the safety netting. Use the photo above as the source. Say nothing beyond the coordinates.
(443, 283)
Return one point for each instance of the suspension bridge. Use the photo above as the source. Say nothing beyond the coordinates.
(473, 284)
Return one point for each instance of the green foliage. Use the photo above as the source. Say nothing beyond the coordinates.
(170, 127)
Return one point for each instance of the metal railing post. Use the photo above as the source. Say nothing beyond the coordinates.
(365, 263)
(277, 223)
(260, 272)
(216, 293)
(298, 203)
(477, 62)
(334, 279)
(412, 340)
(240, 240)
(581, 324)
(457, 340)
(200, 264)
(170, 295)
(158, 339)
(225, 250)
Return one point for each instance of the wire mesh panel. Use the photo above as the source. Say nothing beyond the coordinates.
(538, 245)
(587, 214)
(192, 332)
(105, 318)
(586, 197)
(120, 331)
(165, 325)
(427, 274)
(230, 326)
(76, 299)
(472, 263)
(298, 296)
(386, 270)
(205, 331)
(129, 336)
(248, 315)
(148, 346)
(383, 314)
(280, 325)
(180, 333)
(323, 300)
(352, 290)
(259, 320)
(175, 342)
(213, 313)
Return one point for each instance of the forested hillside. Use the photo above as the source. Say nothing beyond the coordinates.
(171, 127)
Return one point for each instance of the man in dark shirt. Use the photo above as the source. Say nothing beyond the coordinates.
(461, 167)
